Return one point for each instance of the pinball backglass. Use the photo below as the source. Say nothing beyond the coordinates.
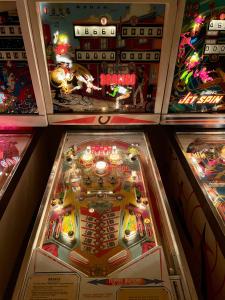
(21, 101)
(196, 83)
(103, 59)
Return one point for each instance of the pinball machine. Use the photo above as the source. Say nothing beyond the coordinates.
(104, 228)
(192, 158)
(21, 108)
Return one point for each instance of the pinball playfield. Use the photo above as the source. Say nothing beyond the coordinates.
(101, 229)
(206, 155)
(99, 217)
(12, 149)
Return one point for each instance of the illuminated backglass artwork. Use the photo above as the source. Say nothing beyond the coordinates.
(206, 155)
(100, 217)
(103, 57)
(16, 90)
(199, 78)
(12, 148)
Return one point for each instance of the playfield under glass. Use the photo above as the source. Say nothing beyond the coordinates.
(99, 216)
(206, 155)
(12, 148)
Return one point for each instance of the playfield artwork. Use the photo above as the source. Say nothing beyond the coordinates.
(208, 160)
(103, 58)
(12, 148)
(199, 77)
(99, 217)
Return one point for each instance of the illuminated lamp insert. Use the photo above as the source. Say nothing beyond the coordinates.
(87, 156)
(222, 16)
(101, 167)
(133, 175)
(114, 156)
(104, 21)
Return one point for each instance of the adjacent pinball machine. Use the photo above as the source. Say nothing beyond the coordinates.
(196, 85)
(21, 108)
(192, 159)
(21, 101)
(104, 229)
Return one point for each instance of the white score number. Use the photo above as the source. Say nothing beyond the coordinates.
(149, 56)
(13, 55)
(217, 25)
(89, 31)
(148, 31)
(95, 55)
(215, 49)
(10, 30)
